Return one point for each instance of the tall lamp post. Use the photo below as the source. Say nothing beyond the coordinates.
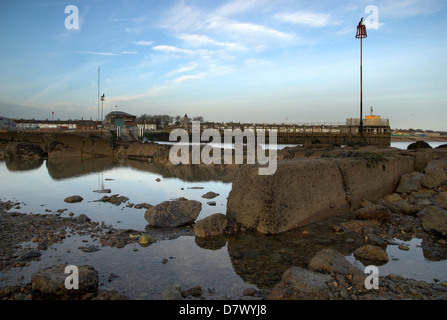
(361, 34)
(102, 109)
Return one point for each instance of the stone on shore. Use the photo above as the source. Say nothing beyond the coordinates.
(435, 173)
(373, 211)
(330, 261)
(213, 225)
(410, 182)
(173, 292)
(73, 199)
(173, 214)
(301, 284)
(369, 254)
(434, 220)
(49, 283)
(397, 204)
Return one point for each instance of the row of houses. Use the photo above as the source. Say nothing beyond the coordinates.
(113, 120)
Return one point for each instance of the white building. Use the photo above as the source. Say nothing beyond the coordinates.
(7, 124)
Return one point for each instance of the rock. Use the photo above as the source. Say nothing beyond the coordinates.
(172, 293)
(90, 248)
(369, 254)
(304, 191)
(145, 240)
(24, 151)
(210, 195)
(143, 205)
(298, 283)
(249, 291)
(328, 261)
(49, 283)
(397, 204)
(211, 203)
(374, 211)
(441, 200)
(418, 145)
(83, 218)
(29, 255)
(211, 226)
(410, 182)
(290, 198)
(115, 199)
(434, 220)
(435, 173)
(173, 213)
(73, 199)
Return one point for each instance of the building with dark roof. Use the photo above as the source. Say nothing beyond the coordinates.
(120, 119)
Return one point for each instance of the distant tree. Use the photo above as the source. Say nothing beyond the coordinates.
(199, 118)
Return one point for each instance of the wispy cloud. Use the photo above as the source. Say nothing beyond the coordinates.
(189, 77)
(172, 49)
(198, 40)
(239, 6)
(305, 18)
(107, 53)
(143, 43)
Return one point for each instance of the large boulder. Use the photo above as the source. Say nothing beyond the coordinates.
(173, 213)
(300, 192)
(435, 173)
(304, 191)
(50, 283)
(369, 180)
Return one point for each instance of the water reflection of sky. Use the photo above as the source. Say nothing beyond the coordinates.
(37, 191)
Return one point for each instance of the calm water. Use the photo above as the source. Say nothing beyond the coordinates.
(223, 267)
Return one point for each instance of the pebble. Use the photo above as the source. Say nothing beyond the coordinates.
(403, 247)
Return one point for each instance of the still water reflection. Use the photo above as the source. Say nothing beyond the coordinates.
(223, 266)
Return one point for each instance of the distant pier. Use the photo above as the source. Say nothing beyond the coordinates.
(341, 134)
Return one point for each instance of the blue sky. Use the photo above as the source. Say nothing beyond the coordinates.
(242, 60)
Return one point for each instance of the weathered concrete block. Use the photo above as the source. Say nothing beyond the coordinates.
(308, 190)
(300, 192)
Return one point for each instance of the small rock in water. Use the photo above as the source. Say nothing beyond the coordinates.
(403, 247)
(145, 240)
(73, 199)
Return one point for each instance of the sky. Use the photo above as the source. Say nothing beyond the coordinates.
(255, 61)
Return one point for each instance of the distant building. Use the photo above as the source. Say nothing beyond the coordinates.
(86, 125)
(7, 124)
(151, 126)
(120, 119)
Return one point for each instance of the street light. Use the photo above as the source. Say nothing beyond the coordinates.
(102, 109)
(361, 33)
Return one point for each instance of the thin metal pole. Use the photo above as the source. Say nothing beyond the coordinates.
(98, 92)
(361, 91)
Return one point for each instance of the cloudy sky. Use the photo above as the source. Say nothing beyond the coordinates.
(243, 60)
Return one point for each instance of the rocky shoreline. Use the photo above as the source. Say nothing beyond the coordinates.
(415, 208)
